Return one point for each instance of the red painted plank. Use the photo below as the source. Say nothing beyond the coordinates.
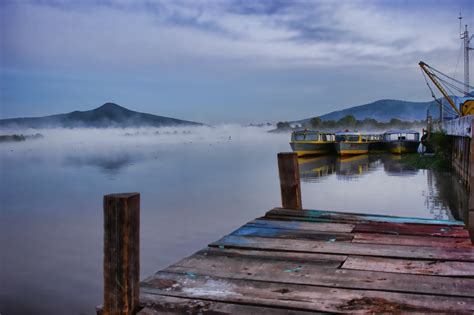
(411, 229)
(411, 240)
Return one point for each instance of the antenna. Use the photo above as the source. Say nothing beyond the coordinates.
(467, 40)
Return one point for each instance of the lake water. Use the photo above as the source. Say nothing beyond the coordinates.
(196, 185)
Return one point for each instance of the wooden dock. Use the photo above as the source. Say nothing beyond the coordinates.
(306, 261)
(296, 261)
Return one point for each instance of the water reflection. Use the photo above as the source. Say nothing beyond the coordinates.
(345, 168)
(445, 191)
(109, 165)
(442, 195)
(312, 169)
(394, 167)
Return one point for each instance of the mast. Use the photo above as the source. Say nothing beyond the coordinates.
(466, 43)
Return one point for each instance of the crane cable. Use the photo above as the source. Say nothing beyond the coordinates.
(431, 90)
(446, 109)
(447, 76)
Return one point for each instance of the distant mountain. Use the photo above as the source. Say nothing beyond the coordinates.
(384, 110)
(107, 115)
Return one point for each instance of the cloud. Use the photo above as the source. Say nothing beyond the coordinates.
(141, 34)
(216, 61)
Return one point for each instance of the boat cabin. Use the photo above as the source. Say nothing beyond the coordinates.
(311, 135)
(348, 136)
(401, 135)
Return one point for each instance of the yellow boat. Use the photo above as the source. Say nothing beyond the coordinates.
(350, 143)
(311, 142)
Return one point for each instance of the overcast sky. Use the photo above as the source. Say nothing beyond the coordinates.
(222, 61)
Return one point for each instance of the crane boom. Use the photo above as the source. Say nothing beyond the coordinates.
(432, 77)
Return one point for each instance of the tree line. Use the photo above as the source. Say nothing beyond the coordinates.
(350, 122)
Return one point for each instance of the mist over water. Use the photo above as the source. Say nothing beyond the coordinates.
(196, 185)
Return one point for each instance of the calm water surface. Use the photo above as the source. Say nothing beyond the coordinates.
(195, 185)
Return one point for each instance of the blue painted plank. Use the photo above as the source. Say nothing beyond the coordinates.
(347, 216)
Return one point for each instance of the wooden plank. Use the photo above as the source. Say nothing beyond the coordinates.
(412, 240)
(168, 305)
(426, 267)
(273, 255)
(343, 248)
(355, 217)
(252, 230)
(314, 273)
(303, 226)
(301, 297)
(411, 229)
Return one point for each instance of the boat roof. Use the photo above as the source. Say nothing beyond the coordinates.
(348, 133)
(305, 131)
(395, 131)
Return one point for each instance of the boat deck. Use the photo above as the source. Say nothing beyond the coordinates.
(308, 261)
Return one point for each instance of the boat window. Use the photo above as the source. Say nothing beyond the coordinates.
(312, 136)
(347, 138)
(298, 137)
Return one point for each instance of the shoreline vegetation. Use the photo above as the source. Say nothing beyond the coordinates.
(348, 122)
(440, 160)
(19, 137)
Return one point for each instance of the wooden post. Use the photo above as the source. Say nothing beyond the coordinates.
(121, 254)
(289, 180)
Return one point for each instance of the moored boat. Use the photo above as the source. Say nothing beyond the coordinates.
(401, 141)
(311, 142)
(375, 141)
(350, 143)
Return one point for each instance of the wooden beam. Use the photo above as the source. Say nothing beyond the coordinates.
(290, 180)
(121, 253)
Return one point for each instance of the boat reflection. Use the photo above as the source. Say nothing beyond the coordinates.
(393, 166)
(351, 167)
(346, 168)
(444, 195)
(312, 169)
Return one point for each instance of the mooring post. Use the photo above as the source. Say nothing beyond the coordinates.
(121, 254)
(289, 180)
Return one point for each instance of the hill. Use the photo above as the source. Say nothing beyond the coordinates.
(385, 110)
(107, 115)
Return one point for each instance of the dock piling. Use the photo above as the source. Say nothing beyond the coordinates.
(290, 185)
(121, 254)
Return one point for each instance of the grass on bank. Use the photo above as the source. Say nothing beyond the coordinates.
(428, 161)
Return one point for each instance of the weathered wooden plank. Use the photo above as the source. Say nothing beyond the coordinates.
(411, 229)
(355, 217)
(413, 240)
(168, 305)
(315, 273)
(343, 248)
(301, 297)
(303, 226)
(426, 267)
(252, 230)
(272, 255)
